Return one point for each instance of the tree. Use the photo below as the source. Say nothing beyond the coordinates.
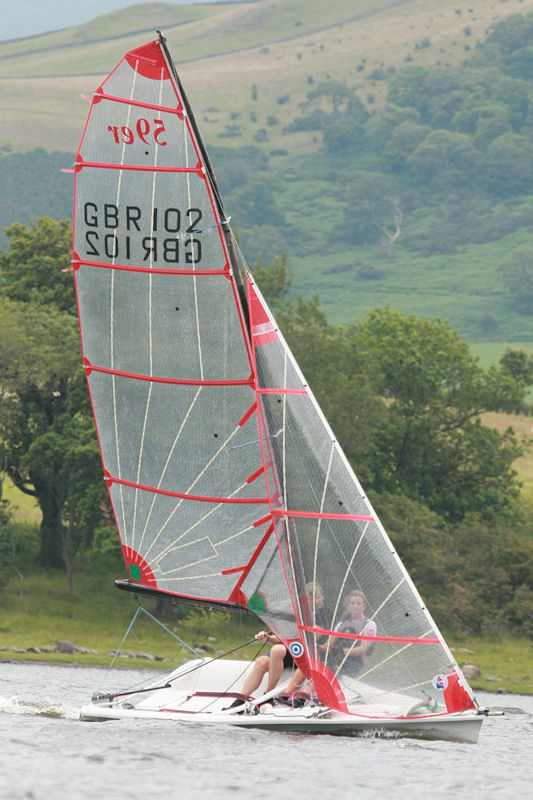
(346, 395)
(512, 33)
(432, 445)
(336, 96)
(518, 364)
(258, 204)
(34, 269)
(407, 88)
(494, 120)
(67, 457)
(514, 93)
(274, 279)
(322, 351)
(517, 274)
(422, 540)
(41, 384)
(374, 211)
(46, 428)
(6, 543)
(443, 153)
(404, 139)
(508, 165)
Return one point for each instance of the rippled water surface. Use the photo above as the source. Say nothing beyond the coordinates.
(47, 753)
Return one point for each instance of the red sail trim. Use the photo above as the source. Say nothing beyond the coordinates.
(251, 410)
(232, 570)
(152, 378)
(132, 557)
(326, 685)
(255, 475)
(109, 479)
(224, 272)
(178, 111)
(258, 314)
(262, 327)
(280, 512)
(148, 61)
(456, 694)
(261, 521)
(281, 391)
(236, 594)
(402, 639)
(138, 167)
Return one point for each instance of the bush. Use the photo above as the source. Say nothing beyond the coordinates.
(19, 545)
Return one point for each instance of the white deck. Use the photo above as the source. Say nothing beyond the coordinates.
(183, 701)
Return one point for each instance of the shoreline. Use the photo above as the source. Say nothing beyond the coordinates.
(123, 667)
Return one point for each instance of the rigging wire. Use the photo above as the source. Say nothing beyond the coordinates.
(113, 695)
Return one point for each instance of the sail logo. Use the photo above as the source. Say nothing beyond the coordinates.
(440, 682)
(296, 649)
(143, 131)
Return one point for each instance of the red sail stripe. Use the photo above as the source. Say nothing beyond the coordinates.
(255, 474)
(109, 479)
(244, 419)
(137, 167)
(232, 570)
(251, 562)
(154, 379)
(139, 103)
(403, 639)
(278, 390)
(280, 512)
(224, 272)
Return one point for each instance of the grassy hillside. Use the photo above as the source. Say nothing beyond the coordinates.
(248, 68)
(270, 44)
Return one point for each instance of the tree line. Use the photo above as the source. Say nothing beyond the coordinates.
(404, 396)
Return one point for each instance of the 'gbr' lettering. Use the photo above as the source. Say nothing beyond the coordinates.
(127, 233)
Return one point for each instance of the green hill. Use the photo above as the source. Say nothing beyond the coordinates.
(310, 174)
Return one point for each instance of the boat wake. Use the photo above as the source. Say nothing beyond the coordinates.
(18, 706)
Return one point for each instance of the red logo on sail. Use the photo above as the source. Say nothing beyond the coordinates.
(263, 328)
(138, 568)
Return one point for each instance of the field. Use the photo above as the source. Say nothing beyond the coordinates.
(248, 68)
(269, 47)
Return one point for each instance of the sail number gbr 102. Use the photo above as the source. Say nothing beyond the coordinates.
(117, 233)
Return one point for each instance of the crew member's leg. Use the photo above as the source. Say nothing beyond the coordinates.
(256, 674)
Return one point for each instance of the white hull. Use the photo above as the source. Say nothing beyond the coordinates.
(184, 701)
(453, 727)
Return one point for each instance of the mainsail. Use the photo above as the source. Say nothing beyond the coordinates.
(226, 481)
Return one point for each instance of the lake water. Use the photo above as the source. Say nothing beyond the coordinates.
(47, 753)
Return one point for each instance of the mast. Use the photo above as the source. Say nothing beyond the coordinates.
(224, 222)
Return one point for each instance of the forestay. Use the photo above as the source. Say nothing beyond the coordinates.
(226, 482)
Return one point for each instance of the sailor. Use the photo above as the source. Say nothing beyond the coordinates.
(349, 655)
(274, 663)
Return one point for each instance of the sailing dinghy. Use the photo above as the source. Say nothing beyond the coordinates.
(227, 484)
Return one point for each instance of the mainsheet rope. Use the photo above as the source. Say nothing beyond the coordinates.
(112, 695)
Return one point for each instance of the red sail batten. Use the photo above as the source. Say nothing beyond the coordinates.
(110, 479)
(224, 272)
(237, 592)
(280, 512)
(363, 637)
(139, 168)
(154, 379)
(178, 111)
(281, 391)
